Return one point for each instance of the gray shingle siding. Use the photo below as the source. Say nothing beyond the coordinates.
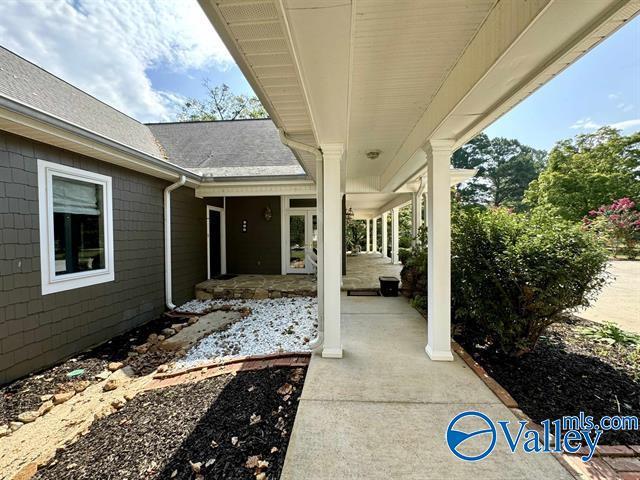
(188, 243)
(37, 330)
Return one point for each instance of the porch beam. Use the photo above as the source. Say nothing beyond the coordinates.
(439, 250)
(395, 234)
(332, 239)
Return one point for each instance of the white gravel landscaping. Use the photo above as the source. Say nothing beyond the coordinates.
(274, 325)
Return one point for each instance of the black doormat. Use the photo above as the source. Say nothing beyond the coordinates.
(363, 293)
(226, 276)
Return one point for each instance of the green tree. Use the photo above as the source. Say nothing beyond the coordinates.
(505, 169)
(586, 172)
(222, 104)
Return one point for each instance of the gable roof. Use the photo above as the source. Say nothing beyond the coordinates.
(31, 85)
(233, 148)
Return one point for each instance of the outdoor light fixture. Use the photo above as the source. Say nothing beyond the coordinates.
(349, 214)
(268, 214)
(373, 154)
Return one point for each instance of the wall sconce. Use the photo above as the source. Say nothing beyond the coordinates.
(268, 214)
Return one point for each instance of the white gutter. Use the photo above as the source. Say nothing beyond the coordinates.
(319, 339)
(167, 240)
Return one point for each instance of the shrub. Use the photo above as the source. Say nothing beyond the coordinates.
(513, 275)
(618, 224)
(414, 270)
(404, 254)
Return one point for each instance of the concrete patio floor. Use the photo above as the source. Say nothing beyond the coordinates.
(382, 410)
(364, 269)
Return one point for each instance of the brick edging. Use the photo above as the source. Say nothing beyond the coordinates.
(599, 470)
(244, 364)
(231, 361)
(498, 390)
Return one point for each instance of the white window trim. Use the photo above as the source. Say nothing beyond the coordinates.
(70, 281)
(223, 242)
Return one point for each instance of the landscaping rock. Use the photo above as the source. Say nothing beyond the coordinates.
(118, 403)
(103, 375)
(260, 294)
(28, 417)
(15, 425)
(81, 386)
(113, 366)
(59, 398)
(152, 339)
(110, 385)
(142, 349)
(4, 430)
(192, 320)
(45, 407)
(44, 398)
(27, 472)
(167, 332)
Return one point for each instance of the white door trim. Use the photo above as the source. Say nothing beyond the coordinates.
(308, 214)
(223, 242)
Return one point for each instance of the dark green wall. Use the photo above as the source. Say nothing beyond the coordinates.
(257, 250)
(39, 330)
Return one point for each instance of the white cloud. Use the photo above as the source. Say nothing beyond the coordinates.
(626, 124)
(588, 124)
(585, 124)
(106, 47)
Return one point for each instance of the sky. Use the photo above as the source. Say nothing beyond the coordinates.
(146, 57)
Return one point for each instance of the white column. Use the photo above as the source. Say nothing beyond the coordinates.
(320, 254)
(332, 261)
(419, 213)
(385, 243)
(439, 250)
(415, 217)
(368, 241)
(395, 234)
(426, 209)
(374, 235)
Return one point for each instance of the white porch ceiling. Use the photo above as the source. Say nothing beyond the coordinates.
(392, 75)
(401, 54)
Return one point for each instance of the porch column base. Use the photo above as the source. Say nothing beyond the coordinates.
(437, 356)
(332, 352)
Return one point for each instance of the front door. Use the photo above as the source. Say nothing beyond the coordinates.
(302, 235)
(215, 239)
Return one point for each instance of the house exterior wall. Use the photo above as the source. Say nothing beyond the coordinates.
(188, 243)
(259, 249)
(37, 330)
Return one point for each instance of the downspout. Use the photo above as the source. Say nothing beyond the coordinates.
(167, 240)
(317, 153)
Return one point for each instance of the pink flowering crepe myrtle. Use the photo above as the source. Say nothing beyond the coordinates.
(618, 222)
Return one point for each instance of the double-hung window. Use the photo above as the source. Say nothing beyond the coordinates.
(76, 227)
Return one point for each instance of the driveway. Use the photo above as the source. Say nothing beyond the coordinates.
(619, 301)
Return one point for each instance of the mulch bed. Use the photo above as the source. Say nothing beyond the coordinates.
(24, 394)
(231, 426)
(567, 373)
